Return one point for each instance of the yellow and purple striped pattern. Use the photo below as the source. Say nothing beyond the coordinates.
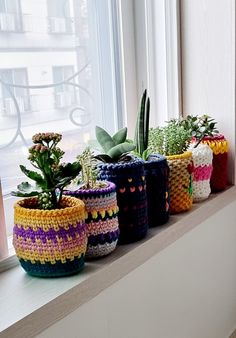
(50, 237)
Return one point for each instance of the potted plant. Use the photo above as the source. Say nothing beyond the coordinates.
(209, 135)
(172, 141)
(119, 167)
(200, 127)
(100, 201)
(155, 166)
(49, 236)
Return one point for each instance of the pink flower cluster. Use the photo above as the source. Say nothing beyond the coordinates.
(46, 137)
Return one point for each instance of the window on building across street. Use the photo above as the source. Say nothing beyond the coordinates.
(10, 16)
(8, 92)
(65, 94)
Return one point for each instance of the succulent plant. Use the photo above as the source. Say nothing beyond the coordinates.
(115, 147)
(199, 126)
(172, 139)
(89, 171)
(142, 128)
(45, 156)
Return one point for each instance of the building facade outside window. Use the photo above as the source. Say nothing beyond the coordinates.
(10, 16)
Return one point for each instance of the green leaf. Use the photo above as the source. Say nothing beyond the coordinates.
(25, 189)
(69, 170)
(104, 139)
(120, 149)
(33, 175)
(104, 158)
(120, 136)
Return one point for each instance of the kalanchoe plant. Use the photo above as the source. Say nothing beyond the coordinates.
(115, 147)
(199, 127)
(89, 171)
(172, 139)
(142, 128)
(45, 156)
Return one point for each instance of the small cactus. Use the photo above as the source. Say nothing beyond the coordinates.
(115, 147)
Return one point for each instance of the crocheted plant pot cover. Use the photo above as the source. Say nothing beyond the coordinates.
(102, 219)
(157, 179)
(50, 243)
(202, 161)
(129, 179)
(219, 146)
(181, 169)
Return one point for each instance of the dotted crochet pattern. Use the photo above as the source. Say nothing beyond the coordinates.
(101, 219)
(220, 147)
(157, 179)
(50, 243)
(129, 179)
(181, 168)
(202, 160)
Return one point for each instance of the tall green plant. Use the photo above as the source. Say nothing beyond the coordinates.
(142, 127)
(115, 147)
(45, 156)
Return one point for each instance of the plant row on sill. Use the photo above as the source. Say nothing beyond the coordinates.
(131, 186)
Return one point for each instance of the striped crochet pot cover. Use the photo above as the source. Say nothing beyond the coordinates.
(181, 190)
(157, 179)
(202, 161)
(102, 218)
(50, 243)
(129, 179)
(220, 147)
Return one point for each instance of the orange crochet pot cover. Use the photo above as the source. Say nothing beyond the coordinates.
(181, 168)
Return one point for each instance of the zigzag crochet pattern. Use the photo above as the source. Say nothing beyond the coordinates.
(202, 160)
(50, 243)
(101, 219)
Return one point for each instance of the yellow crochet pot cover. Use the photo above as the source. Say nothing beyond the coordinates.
(50, 243)
(181, 168)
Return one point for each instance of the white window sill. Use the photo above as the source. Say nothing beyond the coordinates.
(29, 305)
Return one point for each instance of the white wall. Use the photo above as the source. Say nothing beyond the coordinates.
(208, 63)
(187, 290)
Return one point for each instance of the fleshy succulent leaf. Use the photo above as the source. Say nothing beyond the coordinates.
(104, 158)
(120, 149)
(33, 175)
(104, 139)
(25, 189)
(120, 136)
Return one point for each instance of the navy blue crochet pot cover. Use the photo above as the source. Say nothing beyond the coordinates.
(157, 180)
(129, 178)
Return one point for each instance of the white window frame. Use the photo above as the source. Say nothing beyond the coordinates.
(140, 65)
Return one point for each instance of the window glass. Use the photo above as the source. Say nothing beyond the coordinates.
(53, 82)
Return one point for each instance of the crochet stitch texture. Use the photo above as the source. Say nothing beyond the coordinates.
(50, 243)
(102, 219)
(181, 168)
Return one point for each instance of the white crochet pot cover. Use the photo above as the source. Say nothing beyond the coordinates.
(202, 160)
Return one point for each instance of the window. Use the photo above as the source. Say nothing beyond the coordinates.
(12, 77)
(65, 85)
(59, 16)
(10, 16)
(65, 94)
